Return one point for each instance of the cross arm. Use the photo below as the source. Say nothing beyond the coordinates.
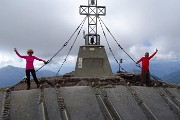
(92, 10)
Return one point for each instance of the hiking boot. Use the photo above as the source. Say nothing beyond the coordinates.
(28, 88)
(38, 85)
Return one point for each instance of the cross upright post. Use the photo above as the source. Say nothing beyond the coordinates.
(93, 12)
(92, 60)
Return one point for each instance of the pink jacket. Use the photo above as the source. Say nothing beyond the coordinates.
(29, 60)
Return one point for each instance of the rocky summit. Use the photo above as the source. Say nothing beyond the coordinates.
(113, 98)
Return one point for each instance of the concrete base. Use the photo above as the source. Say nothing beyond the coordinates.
(124, 103)
(156, 103)
(175, 92)
(92, 61)
(52, 104)
(25, 105)
(81, 103)
(84, 103)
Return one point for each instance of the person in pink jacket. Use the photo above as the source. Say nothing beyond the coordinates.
(29, 66)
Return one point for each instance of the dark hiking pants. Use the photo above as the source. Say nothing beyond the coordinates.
(32, 71)
(145, 78)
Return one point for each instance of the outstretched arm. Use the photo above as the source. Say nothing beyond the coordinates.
(19, 54)
(40, 60)
(139, 61)
(153, 54)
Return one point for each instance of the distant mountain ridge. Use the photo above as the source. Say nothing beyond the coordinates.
(11, 75)
(167, 71)
(158, 68)
(173, 77)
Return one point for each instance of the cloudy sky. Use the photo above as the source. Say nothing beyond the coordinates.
(45, 25)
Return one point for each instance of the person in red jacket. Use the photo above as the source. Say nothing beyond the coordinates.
(145, 75)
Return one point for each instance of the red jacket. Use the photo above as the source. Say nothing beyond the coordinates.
(145, 62)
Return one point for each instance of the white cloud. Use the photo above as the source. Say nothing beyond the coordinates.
(45, 25)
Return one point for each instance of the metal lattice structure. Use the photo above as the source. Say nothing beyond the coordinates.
(93, 12)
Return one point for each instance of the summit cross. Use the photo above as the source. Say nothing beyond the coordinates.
(93, 12)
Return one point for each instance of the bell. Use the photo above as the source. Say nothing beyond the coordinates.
(92, 40)
(92, 2)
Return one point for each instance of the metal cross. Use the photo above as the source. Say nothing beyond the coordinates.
(93, 12)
